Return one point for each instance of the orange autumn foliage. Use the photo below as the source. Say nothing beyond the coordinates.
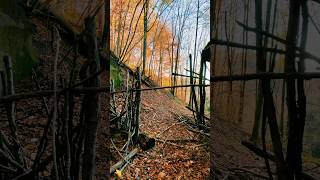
(127, 36)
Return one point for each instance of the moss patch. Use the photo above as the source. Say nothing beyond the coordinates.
(16, 38)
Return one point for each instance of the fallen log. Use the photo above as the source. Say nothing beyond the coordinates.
(119, 164)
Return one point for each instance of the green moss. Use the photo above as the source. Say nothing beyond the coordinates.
(116, 75)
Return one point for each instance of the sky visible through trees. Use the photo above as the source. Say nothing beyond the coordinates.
(171, 26)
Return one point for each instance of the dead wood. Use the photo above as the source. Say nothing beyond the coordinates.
(119, 164)
(258, 151)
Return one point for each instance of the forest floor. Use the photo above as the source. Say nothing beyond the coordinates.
(179, 153)
(183, 154)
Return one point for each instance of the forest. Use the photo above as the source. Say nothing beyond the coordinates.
(159, 89)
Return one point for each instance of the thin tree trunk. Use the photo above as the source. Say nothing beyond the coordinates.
(92, 104)
(106, 34)
(145, 30)
(268, 98)
(55, 112)
(293, 139)
(137, 107)
(160, 69)
(301, 93)
(193, 93)
(106, 27)
(243, 61)
(202, 92)
(260, 67)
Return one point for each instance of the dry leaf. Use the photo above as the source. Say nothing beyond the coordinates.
(118, 174)
(161, 175)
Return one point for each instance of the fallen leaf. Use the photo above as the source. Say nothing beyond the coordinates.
(161, 175)
(118, 174)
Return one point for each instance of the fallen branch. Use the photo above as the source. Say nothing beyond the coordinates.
(196, 131)
(270, 156)
(6, 169)
(180, 146)
(114, 146)
(165, 142)
(207, 118)
(119, 164)
(11, 161)
(30, 173)
(183, 140)
(257, 150)
(174, 124)
(250, 172)
(194, 125)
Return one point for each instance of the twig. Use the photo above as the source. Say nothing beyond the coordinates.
(55, 107)
(10, 107)
(117, 149)
(10, 160)
(250, 172)
(165, 142)
(7, 169)
(270, 156)
(44, 100)
(127, 158)
(30, 173)
(174, 124)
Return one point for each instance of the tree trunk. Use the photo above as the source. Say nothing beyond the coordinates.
(243, 61)
(293, 139)
(301, 94)
(137, 105)
(202, 91)
(145, 30)
(91, 103)
(268, 98)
